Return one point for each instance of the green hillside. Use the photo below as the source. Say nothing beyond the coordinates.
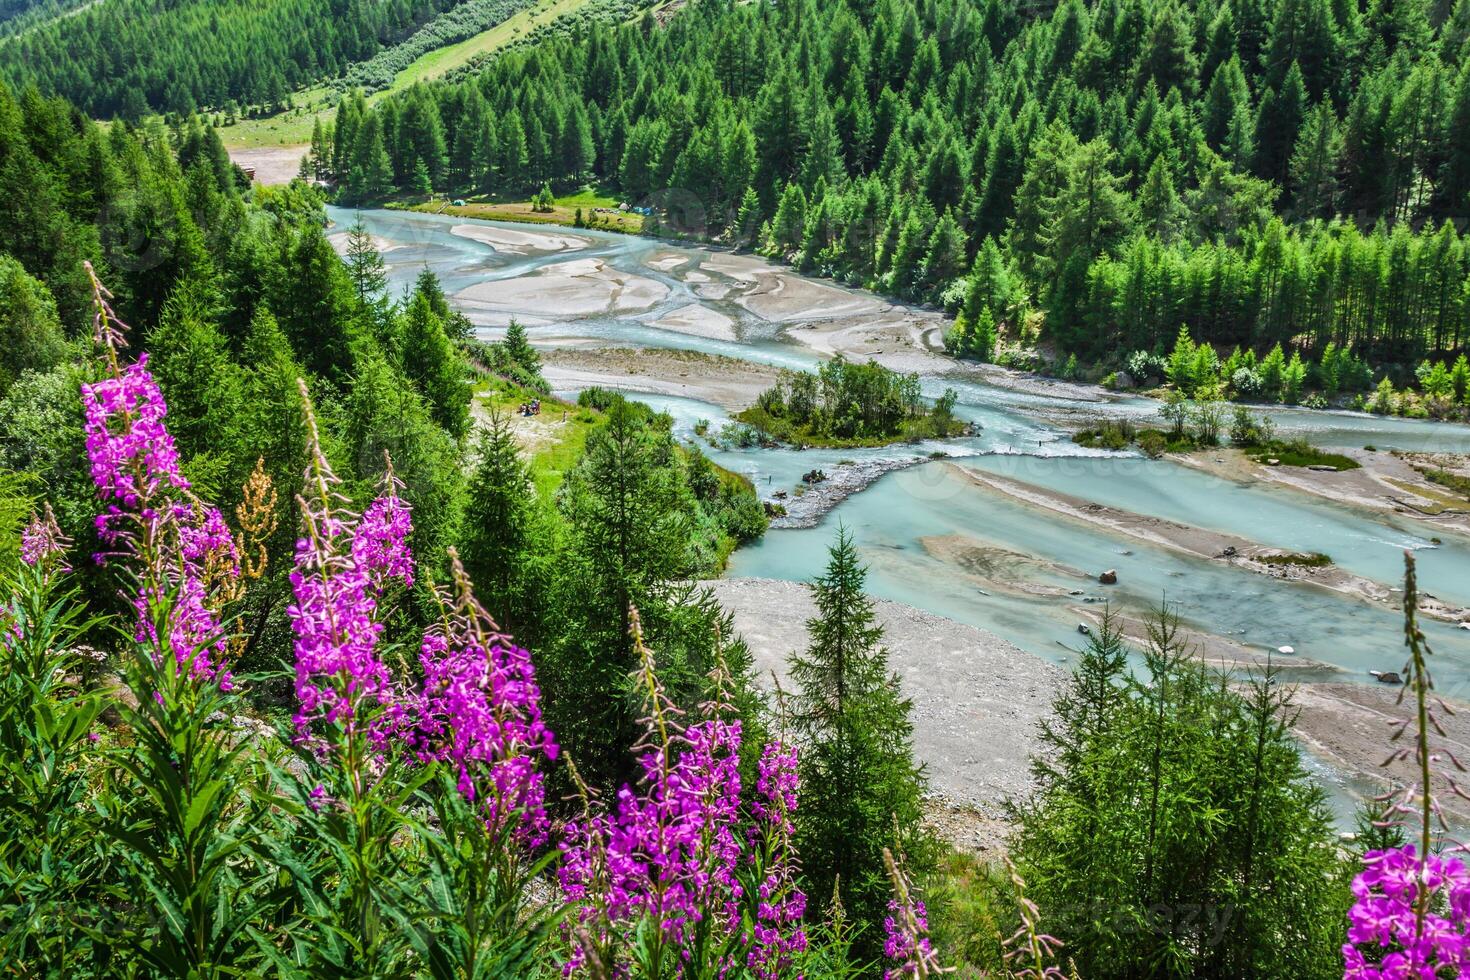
(293, 127)
(126, 57)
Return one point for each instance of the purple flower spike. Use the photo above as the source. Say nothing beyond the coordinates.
(132, 454)
(777, 934)
(670, 856)
(42, 540)
(175, 543)
(481, 712)
(341, 563)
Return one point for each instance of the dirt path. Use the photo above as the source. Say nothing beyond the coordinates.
(273, 164)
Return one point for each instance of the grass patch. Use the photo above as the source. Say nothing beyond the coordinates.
(551, 459)
(1455, 482)
(290, 128)
(1438, 502)
(1313, 559)
(294, 126)
(563, 210)
(443, 60)
(1300, 453)
(972, 909)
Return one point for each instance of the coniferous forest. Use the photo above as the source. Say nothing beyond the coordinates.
(1260, 173)
(314, 662)
(126, 59)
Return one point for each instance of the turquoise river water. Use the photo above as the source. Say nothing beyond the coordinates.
(911, 525)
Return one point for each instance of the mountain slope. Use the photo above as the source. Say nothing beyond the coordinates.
(125, 57)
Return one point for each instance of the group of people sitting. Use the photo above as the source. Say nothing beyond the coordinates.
(532, 407)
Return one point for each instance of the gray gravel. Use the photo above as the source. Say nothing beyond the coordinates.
(842, 482)
(977, 699)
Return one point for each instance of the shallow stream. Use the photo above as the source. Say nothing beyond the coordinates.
(932, 538)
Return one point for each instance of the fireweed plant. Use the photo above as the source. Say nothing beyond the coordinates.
(396, 824)
(177, 823)
(677, 881)
(46, 735)
(1411, 910)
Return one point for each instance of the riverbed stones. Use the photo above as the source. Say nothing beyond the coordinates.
(1110, 577)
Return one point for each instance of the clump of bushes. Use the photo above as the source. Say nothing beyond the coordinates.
(1121, 434)
(848, 404)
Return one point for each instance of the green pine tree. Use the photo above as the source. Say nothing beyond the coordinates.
(364, 263)
(861, 784)
(436, 369)
(498, 543)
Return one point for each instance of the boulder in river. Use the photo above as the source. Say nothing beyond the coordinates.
(813, 477)
(1110, 577)
(1386, 676)
(1084, 629)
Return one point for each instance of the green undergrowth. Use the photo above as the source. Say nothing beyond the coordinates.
(787, 431)
(554, 442)
(850, 404)
(1123, 434)
(1299, 452)
(1312, 559)
(575, 210)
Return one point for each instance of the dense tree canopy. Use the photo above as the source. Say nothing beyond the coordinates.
(124, 57)
(1285, 171)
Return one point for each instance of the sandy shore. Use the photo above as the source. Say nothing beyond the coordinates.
(579, 287)
(697, 320)
(1385, 482)
(1212, 545)
(514, 241)
(1348, 726)
(722, 381)
(977, 699)
(339, 240)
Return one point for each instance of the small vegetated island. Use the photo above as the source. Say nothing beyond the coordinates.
(848, 404)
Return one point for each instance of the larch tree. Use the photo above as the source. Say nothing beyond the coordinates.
(863, 786)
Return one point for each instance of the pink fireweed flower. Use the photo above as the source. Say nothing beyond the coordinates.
(337, 580)
(671, 851)
(380, 541)
(1387, 896)
(906, 939)
(132, 455)
(776, 934)
(481, 712)
(1411, 908)
(171, 539)
(334, 618)
(906, 929)
(42, 541)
